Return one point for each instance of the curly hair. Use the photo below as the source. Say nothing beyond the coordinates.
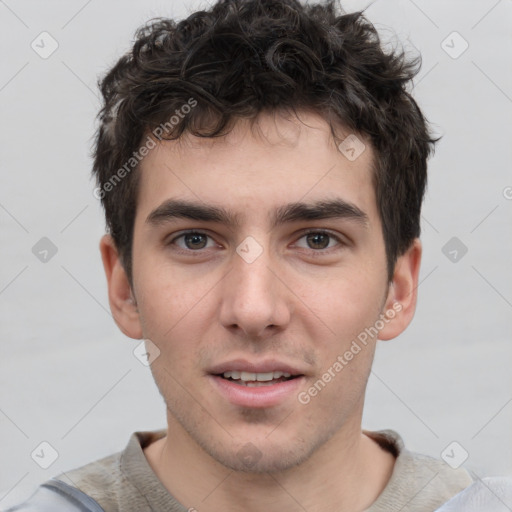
(240, 58)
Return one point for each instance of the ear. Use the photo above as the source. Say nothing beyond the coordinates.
(400, 303)
(120, 296)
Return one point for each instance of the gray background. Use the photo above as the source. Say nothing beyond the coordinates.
(69, 377)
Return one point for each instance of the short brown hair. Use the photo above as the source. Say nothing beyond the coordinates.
(244, 57)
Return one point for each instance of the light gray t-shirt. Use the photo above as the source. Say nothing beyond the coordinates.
(124, 482)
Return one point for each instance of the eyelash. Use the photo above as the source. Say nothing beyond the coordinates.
(315, 252)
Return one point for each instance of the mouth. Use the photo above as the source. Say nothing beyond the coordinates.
(256, 385)
(253, 379)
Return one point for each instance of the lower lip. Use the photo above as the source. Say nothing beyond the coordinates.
(258, 396)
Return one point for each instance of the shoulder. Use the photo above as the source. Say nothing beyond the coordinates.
(492, 494)
(418, 482)
(57, 496)
(105, 485)
(119, 481)
(76, 490)
(99, 480)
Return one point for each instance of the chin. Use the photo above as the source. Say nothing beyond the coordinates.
(257, 441)
(253, 460)
(262, 454)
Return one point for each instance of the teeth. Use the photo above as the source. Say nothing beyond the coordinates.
(255, 377)
(263, 377)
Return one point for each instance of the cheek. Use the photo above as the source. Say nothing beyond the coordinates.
(350, 304)
(176, 317)
(334, 395)
(348, 364)
(167, 298)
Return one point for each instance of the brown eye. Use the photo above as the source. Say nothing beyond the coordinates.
(318, 240)
(193, 241)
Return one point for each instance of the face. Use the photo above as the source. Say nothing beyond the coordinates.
(258, 260)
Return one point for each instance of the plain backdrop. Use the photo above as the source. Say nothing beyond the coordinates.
(69, 377)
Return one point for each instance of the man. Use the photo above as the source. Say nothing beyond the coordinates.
(262, 168)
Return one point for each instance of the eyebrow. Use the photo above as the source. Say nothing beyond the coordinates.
(327, 209)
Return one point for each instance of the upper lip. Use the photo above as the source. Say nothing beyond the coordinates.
(266, 366)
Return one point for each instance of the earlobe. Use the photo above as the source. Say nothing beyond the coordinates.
(400, 303)
(121, 299)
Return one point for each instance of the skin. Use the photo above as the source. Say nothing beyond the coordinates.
(202, 304)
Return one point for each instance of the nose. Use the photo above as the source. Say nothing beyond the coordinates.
(255, 303)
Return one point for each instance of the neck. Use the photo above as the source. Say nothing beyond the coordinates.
(347, 473)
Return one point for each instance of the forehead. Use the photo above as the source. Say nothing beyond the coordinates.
(259, 166)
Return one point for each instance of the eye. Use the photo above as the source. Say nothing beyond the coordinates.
(193, 241)
(320, 240)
